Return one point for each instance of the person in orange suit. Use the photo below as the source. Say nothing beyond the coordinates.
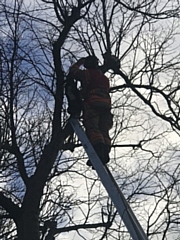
(97, 105)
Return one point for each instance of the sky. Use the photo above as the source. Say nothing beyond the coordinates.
(74, 236)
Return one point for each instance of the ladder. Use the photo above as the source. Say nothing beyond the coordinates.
(117, 197)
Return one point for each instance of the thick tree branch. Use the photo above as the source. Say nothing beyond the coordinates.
(51, 150)
(82, 226)
(12, 208)
(173, 122)
(157, 15)
(20, 160)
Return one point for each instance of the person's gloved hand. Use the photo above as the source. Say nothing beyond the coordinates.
(111, 62)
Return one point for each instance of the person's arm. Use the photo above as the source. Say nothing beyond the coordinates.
(81, 75)
(76, 72)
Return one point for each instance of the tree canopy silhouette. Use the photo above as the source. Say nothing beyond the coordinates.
(46, 190)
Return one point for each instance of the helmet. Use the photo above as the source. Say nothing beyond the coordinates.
(91, 62)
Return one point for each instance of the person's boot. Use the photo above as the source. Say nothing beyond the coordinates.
(107, 149)
(99, 148)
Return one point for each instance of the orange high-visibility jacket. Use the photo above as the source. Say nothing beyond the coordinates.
(95, 86)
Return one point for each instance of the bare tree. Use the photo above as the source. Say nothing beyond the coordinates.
(47, 190)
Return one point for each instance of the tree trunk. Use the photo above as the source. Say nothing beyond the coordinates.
(28, 225)
(28, 221)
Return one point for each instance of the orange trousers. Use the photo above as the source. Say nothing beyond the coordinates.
(98, 122)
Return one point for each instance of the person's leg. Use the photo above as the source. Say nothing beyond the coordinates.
(91, 123)
(105, 124)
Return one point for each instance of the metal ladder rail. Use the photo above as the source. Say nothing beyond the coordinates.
(135, 222)
(117, 197)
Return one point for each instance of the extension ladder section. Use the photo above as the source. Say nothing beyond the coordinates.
(117, 197)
